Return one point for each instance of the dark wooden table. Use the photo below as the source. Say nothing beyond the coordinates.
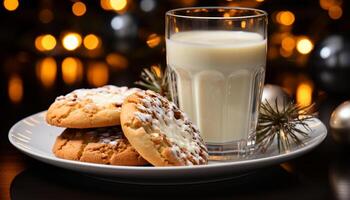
(323, 173)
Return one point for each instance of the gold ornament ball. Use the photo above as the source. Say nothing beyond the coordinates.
(340, 123)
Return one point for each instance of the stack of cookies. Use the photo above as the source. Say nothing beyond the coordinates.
(124, 126)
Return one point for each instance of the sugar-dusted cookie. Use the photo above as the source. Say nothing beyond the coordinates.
(89, 108)
(160, 132)
(98, 145)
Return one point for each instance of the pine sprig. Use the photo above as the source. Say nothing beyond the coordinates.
(154, 78)
(282, 125)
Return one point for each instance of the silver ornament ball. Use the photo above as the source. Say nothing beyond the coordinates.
(271, 92)
(340, 123)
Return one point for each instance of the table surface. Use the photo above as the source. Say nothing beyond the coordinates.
(321, 174)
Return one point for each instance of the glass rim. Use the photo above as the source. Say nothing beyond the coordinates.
(260, 13)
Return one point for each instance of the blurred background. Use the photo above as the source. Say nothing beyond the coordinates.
(51, 47)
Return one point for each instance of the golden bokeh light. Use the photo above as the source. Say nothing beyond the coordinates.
(285, 53)
(46, 71)
(97, 74)
(15, 88)
(278, 16)
(187, 3)
(11, 5)
(118, 5)
(153, 40)
(304, 46)
(72, 70)
(48, 42)
(38, 44)
(304, 93)
(79, 8)
(229, 23)
(226, 14)
(288, 43)
(45, 42)
(259, 0)
(243, 24)
(105, 4)
(117, 61)
(335, 12)
(156, 69)
(327, 4)
(46, 15)
(71, 41)
(91, 42)
(286, 18)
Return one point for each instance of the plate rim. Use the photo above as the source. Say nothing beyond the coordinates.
(284, 156)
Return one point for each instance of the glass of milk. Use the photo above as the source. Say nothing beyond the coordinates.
(216, 60)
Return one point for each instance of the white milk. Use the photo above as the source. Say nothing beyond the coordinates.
(219, 77)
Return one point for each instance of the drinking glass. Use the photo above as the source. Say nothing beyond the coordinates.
(216, 66)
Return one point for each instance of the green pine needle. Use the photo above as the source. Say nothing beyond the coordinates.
(281, 124)
(154, 78)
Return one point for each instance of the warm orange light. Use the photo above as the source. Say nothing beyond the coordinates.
(304, 93)
(286, 18)
(229, 22)
(45, 16)
(335, 12)
(46, 71)
(11, 5)
(72, 70)
(259, 0)
(117, 61)
(327, 4)
(91, 41)
(153, 40)
(71, 41)
(118, 5)
(97, 74)
(15, 88)
(45, 42)
(156, 69)
(226, 14)
(243, 24)
(48, 42)
(187, 3)
(105, 4)
(288, 43)
(38, 44)
(304, 46)
(285, 53)
(78, 8)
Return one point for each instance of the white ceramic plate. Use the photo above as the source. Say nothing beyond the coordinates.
(34, 137)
